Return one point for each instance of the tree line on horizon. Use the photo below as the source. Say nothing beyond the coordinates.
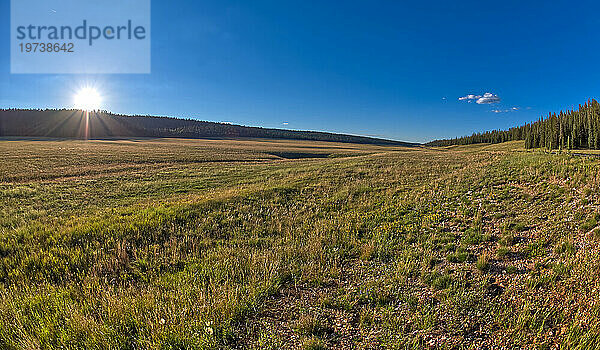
(74, 124)
(575, 129)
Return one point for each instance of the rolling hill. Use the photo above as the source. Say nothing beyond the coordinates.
(73, 124)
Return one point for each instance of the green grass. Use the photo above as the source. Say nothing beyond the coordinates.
(202, 244)
(482, 262)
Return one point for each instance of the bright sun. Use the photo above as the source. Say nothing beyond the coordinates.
(87, 99)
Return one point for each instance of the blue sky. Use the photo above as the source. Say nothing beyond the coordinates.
(392, 69)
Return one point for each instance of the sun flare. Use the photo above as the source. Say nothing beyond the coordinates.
(87, 99)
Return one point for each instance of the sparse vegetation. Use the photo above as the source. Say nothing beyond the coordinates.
(314, 344)
(502, 252)
(311, 326)
(482, 262)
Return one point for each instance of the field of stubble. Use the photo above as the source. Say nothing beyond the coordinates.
(192, 244)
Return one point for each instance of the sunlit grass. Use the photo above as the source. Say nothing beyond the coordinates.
(183, 244)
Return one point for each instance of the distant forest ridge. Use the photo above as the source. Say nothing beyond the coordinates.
(575, 129)
(73, 124)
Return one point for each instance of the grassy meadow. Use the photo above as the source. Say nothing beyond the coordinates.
(225, 244)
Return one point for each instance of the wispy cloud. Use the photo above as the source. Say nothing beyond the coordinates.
(487, 98)
(513, 109)
(469, 98)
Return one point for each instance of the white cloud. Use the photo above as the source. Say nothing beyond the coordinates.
(469, 97)
(487, 98)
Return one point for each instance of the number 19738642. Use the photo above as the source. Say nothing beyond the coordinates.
(47, 47)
